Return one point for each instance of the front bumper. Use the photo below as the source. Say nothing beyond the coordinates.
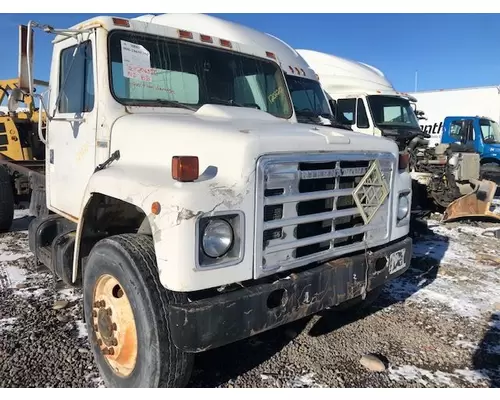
(229, 317)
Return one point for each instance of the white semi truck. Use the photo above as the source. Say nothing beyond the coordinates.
(188, 207)
(361, 96)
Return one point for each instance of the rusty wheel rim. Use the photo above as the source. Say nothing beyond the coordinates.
(114, 325)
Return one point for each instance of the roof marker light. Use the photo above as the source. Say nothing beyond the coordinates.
(226, 43)
(206, 38)
(121, 22)
(303, 72)
(270, 55)
(296, 69)
(185, 34)
(291, 69)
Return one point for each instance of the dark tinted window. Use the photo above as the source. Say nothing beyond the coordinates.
(345, 111)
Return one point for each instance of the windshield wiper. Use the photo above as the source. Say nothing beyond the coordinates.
(225, 102)
(153, 102)
(174, 104)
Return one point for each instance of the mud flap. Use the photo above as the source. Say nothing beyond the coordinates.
(476, 204)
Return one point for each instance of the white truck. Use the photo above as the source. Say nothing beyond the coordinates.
(188, 207)
(446, 176)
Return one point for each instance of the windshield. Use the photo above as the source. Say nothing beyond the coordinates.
(391, 111)
(157, 71)
(490, 131)
(308, 99)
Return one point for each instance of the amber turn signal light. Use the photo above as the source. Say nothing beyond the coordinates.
(185, 168)
(404, 160)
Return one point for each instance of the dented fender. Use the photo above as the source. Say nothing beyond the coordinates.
(174, 228)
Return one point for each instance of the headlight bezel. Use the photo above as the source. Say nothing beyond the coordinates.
(235, 254)
(402, 221)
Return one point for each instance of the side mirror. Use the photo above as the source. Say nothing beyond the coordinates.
(15, 97)
(25, 63)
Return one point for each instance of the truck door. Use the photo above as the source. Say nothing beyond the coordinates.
(459, 131)
(71, 135)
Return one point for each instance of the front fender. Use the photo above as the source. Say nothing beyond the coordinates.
(173, 229)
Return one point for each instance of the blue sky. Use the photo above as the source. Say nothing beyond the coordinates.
(448, 50)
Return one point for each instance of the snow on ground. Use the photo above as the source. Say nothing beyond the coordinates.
(425, 377)
(461, 273)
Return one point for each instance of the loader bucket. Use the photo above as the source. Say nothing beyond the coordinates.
(476, 204)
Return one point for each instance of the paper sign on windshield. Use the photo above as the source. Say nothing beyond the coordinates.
(136, 62)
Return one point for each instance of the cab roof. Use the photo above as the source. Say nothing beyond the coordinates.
(291, 61)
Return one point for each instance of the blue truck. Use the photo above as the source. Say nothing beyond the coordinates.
(480, 134)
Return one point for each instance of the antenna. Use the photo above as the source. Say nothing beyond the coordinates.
(416, 80)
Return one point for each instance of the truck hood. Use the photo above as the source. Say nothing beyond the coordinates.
(228, 138)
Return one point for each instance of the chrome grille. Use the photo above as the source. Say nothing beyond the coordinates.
(312, 207)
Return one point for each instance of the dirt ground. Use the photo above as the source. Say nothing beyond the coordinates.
(438, 325)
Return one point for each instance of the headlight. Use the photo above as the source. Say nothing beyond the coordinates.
(403, 207)
(217, 238)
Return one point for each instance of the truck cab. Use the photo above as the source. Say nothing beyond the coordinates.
(310, 105)
(481, 134)
(362, 98)
(189, 208)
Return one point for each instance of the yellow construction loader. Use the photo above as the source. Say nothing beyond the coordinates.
(22, 152)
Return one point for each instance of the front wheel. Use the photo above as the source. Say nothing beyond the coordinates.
(491, 172)
(125, 309)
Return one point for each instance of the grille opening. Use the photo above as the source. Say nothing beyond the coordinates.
(316, 185)
(271, 234)
(313, 229)
(344, 223)
(354, 164)
(312, 249)
(316, 166)
(273, 212)
(314, 207)
(273, 192)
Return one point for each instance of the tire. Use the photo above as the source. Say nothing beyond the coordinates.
(130, 259)
(6, 200)
(491, 172)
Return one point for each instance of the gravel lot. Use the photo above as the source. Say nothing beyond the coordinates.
(436, 326)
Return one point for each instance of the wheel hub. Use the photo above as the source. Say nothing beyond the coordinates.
(114, 325)
(105, 326)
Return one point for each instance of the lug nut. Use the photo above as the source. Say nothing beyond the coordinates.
(105, 351)
(96, 328)
(97, 304)
(110, 312)
(114, 326)
(94, 313)
(103, 303)
(99, 342)
(111, 351)
(114, 342)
